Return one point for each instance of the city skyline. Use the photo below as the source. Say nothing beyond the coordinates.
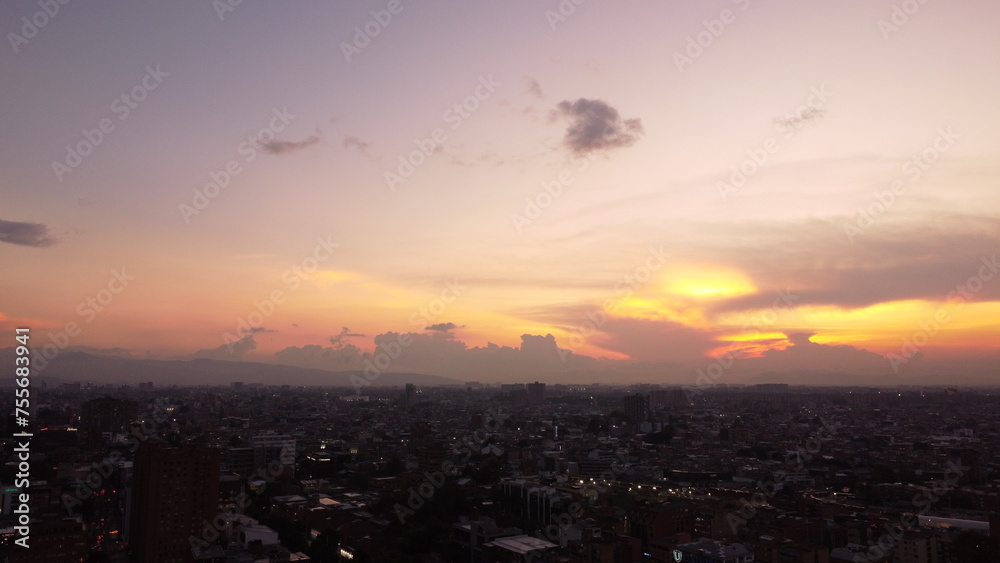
(654, 193)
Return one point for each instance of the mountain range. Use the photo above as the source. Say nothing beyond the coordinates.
(72, 366)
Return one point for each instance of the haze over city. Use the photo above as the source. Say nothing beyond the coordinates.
(796, 192)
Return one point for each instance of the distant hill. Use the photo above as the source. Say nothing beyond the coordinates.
(81, 366)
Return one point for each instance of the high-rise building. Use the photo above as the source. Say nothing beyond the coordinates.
(410, 396)
(238, 460)
(536, 393)
(636, 408)
(916, 547)
(175, 490)
(271, 449)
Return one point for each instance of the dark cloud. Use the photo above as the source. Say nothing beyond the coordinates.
(25, 234)
(443, 327)
(260, 329)
(654, 340)
(800, 338)
(819, 265)
(596, 126)
(675, 352)
(542, 350)
(938, 371)
(541, 358)
(805, 356)
(341, 355)
(233, 351)
(341, 339)
(438, 353)
(275, 146)
(334, 358)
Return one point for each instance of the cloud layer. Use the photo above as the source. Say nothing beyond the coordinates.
(888, 263)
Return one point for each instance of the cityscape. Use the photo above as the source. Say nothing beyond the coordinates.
(562, 281)
(510, 472)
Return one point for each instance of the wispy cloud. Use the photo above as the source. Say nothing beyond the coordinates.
(364, 147)
(534, 88)
(285, 147)
(796, 120)
(343, 338)
(443, 327)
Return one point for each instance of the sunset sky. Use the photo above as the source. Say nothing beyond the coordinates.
(799, 188)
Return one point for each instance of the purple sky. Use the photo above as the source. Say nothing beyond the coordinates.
(642, 181)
